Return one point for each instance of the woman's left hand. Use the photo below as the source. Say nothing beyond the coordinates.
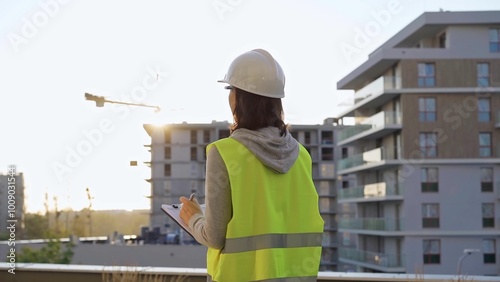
(189, 208)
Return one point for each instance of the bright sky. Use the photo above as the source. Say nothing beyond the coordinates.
(165, 53)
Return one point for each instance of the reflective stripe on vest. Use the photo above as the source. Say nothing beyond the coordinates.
(267, 241)
(275, 231)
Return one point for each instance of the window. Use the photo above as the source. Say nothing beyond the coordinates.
(327, 137)
(345, 152)
(327, 154)
(429, 179)
(167, 185)
(194, 154)
(495, 40)
(324, 204)
(167, 170)
(442, 40)
(194, 136)
(486, 179)
(167, 136)
(483, 109)
(489, 254)
(428, 144)
(206, 136)
(427, 109)
(324, 188)
(485, 144)
(326, 170)
(307, 137)
(168, 153)
(483, 75)
(432, 251)
(488, 210)
(430, 215)
(426, 75)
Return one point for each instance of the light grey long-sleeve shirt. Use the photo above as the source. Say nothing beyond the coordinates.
(276, 152)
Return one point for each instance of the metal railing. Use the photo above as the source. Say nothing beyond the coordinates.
(378, 259)
(375, 223)
(95, 273)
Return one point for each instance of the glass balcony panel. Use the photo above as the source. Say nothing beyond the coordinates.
(379, 259)
(371, 156)
(350, 193)
(375, 224)
(374, 190)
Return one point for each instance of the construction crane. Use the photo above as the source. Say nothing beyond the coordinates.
(90, 198)
(100, 100)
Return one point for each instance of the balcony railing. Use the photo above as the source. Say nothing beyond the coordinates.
(372, 156)
(379, 120)
(377, 224)
(95, 273)
(371, 191)
(377, 259)
(377, 87)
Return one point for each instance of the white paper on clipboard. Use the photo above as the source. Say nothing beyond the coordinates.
(173, 212)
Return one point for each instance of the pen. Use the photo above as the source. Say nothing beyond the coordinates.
(190, 198)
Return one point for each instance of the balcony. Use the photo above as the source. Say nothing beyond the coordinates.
(373, 224)
(377, 261)
(373, 127)
(371, 192)
(376, 158)
(377, 87)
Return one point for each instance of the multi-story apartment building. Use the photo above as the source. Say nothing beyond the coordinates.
(12, 203)
(426, 150)
(178, 168)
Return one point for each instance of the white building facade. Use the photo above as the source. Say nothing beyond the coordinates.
(425, 150)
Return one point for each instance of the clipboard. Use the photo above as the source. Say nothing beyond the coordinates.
(173, 212)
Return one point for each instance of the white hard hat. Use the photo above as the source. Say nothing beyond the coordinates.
(257, 72)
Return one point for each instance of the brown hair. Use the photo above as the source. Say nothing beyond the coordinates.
(255, 112)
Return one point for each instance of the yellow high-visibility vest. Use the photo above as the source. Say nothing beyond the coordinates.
(276, 230)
